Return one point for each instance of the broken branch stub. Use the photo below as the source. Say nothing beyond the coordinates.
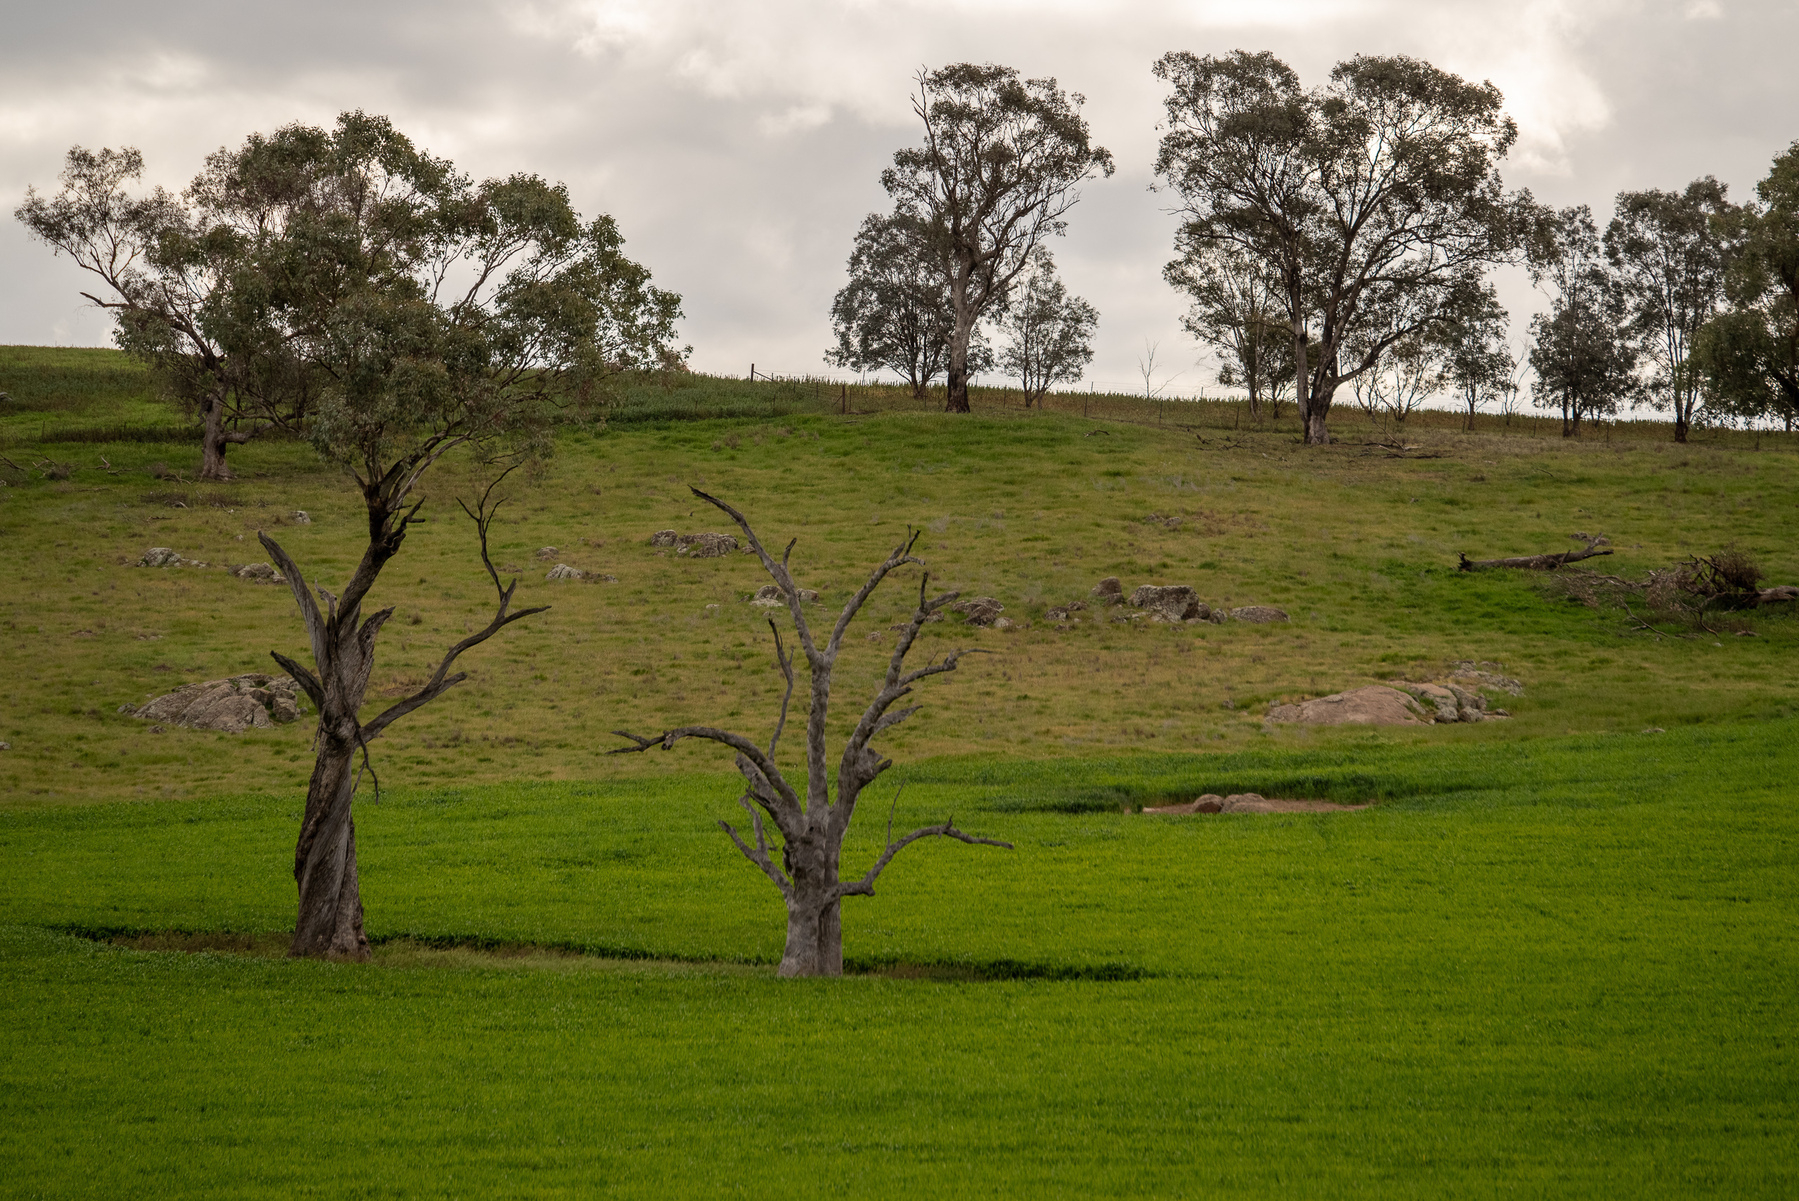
(812, 827)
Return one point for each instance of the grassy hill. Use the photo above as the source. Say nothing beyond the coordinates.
(1553, 959)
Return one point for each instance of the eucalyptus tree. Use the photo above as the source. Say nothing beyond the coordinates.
(1667, 251)
(180, 277)
(1477, 360)
(1371, 201)
(1749, 353)
(1236, 310)
(1001, 165)
(812, 827)
(895, 312)
(437, 315)
(1582, 354)
(1049, 332)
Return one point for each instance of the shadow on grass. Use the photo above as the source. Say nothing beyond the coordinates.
(475, 951)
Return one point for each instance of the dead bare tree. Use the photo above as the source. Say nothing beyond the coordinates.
(813, 829)
(329, 923)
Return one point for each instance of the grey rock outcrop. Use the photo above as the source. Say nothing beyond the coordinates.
(1172, 602)
(1375, 705)
(545, 553)
(233, 705)
(1258, 614)
(301, 518)
(261, 573)
(562, 571)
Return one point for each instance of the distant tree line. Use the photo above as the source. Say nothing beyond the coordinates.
(1333, 240)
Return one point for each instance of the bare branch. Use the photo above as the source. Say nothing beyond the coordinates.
(786, 663)
(865, 887)
(441, 681)
(760, 858)
(737, 742)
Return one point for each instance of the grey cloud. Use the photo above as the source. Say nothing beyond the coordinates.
(739, 145)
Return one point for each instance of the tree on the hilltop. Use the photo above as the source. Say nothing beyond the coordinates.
(1408, 374)
(1371, 201)
(1749, 353)
(1667, 253)
(895, 312)
(1236, 310)
(806, 866)
(436, 315)
(1049, 333)
(1477, 361)
(182, 283)
(1582, 353)
(998, 171)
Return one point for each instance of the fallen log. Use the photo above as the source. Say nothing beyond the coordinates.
(1784, 592)
(1548, 562)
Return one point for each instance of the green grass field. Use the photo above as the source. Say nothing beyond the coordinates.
(1556, 958)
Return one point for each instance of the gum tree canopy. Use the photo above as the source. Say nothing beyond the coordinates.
(428, 313)
(1750, 352)
(1373, 202)
(997, 173)
(175, 273)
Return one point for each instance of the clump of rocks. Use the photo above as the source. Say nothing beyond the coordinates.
(1165, 603)
(163, 556)
(1171, 602)
(982, 611)
(233, 705)
(258, 573)
(769, 596)
(695, 546)
(562, 571)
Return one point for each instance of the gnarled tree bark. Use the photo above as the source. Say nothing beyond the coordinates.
(812, 828)
(329, 921)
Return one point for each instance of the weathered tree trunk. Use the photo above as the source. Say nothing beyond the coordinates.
(956, 400)
(1680, 426)
(1532, 562)
(1317, 433)
(213, 442)
(329, 924)
(329, 920)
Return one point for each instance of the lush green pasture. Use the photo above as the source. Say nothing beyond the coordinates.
(1563, 968)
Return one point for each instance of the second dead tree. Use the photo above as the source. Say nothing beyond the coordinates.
(813, 827)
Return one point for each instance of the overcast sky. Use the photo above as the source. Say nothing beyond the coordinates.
(739, 143)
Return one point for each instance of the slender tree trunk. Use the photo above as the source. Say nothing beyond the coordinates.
(1680, 426)
(329, 923)
(213, 442)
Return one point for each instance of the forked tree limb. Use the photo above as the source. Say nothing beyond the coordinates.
(865, 887)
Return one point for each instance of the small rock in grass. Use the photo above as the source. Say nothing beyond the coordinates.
(562, 571)
(261, 573)
(546, 553)
(769, 596)
(1109, 591)
(300, 517)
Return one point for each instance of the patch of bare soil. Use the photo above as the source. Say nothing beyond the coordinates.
(1252, 802)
